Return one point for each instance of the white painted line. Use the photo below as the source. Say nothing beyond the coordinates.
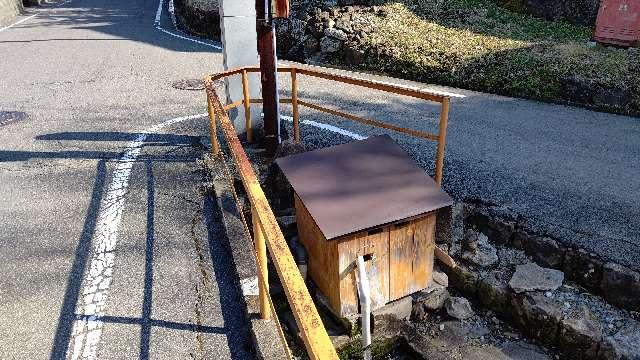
(189, 39)
(18, 22)
(158, 13)
(172, 12)
(331, 128)
(159, 27)
(249, 286)
(88, 328)
(64, 3)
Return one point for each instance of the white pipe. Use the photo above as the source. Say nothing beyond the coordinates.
(365, 307)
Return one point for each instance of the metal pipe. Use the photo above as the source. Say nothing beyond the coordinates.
(212, 127)
(365, 307)
(294, 102)
(247, 106)
(442, 134)
(261, 257)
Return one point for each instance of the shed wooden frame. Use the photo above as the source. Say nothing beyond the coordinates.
(401, 260)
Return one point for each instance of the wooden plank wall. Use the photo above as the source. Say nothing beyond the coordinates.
(401, 261)
(322, 254)
(411, 246)
(377, 268)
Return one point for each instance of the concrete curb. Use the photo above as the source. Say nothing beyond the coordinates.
(264, 333)
(576, 324)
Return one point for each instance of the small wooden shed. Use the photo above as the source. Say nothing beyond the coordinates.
(365, 198)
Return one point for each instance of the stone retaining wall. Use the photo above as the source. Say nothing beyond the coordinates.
(200, 17)
(618, 284)
(561, 296)
(9, 9)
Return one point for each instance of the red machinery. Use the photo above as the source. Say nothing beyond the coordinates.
(619, 22)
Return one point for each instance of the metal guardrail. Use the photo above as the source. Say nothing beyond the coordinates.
(267, 233)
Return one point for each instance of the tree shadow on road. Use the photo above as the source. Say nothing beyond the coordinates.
(126, 20)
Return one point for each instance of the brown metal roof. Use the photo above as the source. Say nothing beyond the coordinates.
(361, 185)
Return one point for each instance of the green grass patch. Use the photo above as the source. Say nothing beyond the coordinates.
(479, 45)
(394, 348)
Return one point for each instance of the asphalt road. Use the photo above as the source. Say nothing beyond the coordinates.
(572, 173)
(104, 252)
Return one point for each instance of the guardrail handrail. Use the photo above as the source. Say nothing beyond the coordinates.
(267, 233)
(414, 92)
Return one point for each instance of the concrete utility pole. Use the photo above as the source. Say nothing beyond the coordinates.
(241, 47)
(237, 25)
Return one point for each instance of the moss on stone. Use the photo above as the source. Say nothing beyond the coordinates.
(380, 349)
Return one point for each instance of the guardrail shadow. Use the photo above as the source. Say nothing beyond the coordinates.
(70, 313)
(231, 299)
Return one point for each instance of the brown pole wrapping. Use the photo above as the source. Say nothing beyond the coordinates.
(267, 52)
(281, 8)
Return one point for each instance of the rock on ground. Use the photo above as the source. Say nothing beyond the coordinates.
(478, 250)
(459, 308)
(439, 277)
(625, 344)
(430, 299)
(531, 277)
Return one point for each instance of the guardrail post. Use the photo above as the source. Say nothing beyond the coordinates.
(247, 106)
(294, 103)
(213, 128)
(261, 256)
(442, 134)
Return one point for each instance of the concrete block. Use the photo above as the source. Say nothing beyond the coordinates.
(400, 309)
(237, 8)
(240, 48)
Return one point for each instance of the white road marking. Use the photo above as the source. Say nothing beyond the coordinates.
(159, 27)
(18, 22)
(331, 128)
(172, 12)
(87, 329)
(64, 3)
(159, 13)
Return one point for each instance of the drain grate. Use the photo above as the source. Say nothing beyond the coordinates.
(188, 84)
(8, 117)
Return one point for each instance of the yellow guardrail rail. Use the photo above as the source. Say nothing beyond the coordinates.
(267, 233)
